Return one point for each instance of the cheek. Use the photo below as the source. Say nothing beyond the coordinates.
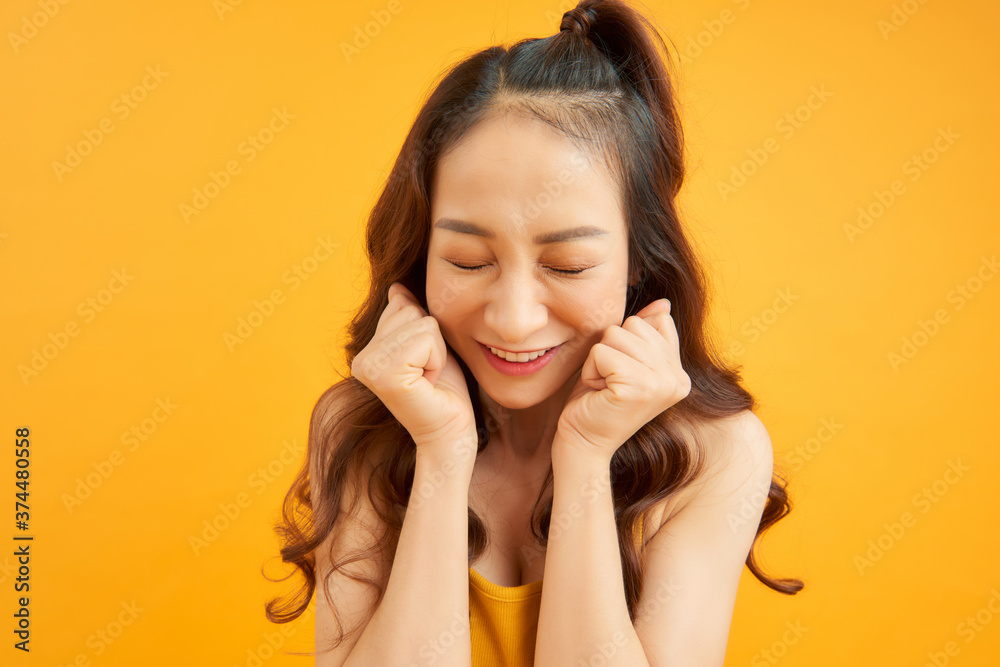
(435, 293)
(596, 311)
(446, 297)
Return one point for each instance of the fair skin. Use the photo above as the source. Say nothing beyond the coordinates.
(516, 180)
(501, 179)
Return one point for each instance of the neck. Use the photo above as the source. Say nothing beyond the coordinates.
(521, 439)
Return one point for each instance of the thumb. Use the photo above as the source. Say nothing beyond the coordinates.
(654, 306)
(589, 374)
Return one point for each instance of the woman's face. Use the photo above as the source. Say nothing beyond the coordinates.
(520, 201)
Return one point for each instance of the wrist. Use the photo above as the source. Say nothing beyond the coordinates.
(449, 454)
(571, 452)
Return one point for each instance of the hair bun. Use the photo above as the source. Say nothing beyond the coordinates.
(578, 20)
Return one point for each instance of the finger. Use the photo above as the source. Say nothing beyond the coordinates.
(612, 367)
(666, 350)
(398, 301)
(391, 322)
(392, 307)
(399, 288)
(408, 298)
(660, 305)
(655, 328)
(629, 340)
(433, 364)
(589, 374)
(393, 350)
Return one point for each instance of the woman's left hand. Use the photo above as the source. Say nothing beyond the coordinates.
(633, 374)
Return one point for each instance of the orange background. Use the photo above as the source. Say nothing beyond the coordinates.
(813, 307)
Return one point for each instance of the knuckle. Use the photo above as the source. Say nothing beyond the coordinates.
(683, 385)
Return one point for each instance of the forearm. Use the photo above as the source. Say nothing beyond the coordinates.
(583, 618)
(423, 618)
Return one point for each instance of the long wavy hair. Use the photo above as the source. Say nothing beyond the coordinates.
(602, 78)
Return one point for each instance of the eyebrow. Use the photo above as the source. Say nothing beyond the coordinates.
(570, 234)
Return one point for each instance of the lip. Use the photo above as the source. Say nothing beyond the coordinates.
(516, 368)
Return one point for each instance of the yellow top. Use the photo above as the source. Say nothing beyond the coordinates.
(504, 620)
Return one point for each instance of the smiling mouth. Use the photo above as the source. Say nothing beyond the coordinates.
(518, 357)
(533, 361)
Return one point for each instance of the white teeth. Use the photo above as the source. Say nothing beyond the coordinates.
(520, 356)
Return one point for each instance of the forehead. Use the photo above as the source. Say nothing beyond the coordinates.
(518, 175)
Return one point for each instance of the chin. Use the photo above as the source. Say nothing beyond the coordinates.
(514, 395)
(519, 402)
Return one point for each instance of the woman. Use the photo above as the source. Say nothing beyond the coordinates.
(533, 396)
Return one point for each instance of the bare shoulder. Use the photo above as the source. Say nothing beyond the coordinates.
(699, 553)
(738, 450)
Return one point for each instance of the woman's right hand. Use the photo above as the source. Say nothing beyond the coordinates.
(407, 365)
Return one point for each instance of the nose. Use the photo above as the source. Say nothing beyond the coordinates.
(515, 310)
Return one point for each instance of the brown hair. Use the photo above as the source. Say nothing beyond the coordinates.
(601, 78)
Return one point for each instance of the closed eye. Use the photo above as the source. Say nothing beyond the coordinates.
(563, 271)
